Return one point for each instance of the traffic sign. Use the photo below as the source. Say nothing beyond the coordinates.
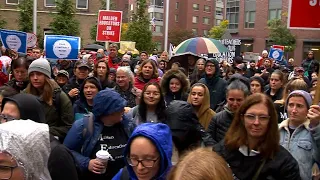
(109, 26)
(14, 40)
(306, 20)
(276, 54)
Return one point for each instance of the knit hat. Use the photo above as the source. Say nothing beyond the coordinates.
(264, 52)
(63, 72)
(40, 65)
(307, 97)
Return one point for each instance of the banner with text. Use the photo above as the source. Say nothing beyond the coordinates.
(14, 40)
(62, 47)
(109, 26)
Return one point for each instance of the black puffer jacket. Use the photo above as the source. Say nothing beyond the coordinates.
(219, 125)
(185, 126)
(281, 167)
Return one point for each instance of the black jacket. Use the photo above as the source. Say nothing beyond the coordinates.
(73, 83)
(277, 96)
(219, 125)
(282, 167)
(185, 127)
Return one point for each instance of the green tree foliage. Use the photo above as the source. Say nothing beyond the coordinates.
(216, 32)
(64, 22)
(93, 29)
(281, 35)
(138, 29)
(178, 35)
(2, 22)
(25, 15)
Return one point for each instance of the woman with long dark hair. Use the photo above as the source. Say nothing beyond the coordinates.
(152, 105)
(251, 145)
(101, 71)
(19, 69)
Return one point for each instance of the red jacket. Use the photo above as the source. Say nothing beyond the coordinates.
(111, 65)
(139, 83)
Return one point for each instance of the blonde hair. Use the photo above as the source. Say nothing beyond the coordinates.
(199, 164)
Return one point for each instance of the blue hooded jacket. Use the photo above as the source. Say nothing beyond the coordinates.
(160, 135)
(83, 135)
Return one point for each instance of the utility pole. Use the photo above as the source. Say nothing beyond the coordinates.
(166, 26)
(35, 16)
(107, 8)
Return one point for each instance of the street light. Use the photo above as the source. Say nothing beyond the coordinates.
(34, 16)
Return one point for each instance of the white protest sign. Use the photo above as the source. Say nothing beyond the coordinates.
(62, 48)
(13, 42)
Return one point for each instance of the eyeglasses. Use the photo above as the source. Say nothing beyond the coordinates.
(147, 163)
(5, 118)
(253, 118)
(6, 172)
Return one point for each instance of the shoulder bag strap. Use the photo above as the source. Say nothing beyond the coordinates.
(256, 176)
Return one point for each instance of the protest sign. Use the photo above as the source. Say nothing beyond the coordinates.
(276, 54)
(62, 47)
(14, 40)
(31, 40)
(109, 26)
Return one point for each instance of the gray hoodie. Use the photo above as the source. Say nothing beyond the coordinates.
(28, 142)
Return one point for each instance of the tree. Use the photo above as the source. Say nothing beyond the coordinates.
(281, 35)
(25, 15)
(216, 32)
(93, 30)
(138, 29)
(64, 22)
(178, 35)
(2, 22)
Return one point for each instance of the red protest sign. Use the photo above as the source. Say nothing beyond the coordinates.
(303, 14)
(109, 26)
(278, 47)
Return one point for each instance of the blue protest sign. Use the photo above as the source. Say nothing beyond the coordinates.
(276, 54)
(62, 47)
(15, 40)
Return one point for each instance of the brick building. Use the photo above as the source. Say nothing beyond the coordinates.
(248, 22)
(86, 14)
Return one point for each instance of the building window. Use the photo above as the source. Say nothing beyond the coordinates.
(82, 4)
(206, 20)
(157, 29)
(275, 14)
(177, 5)
(195, 19)
(12, 2)
(195, 7)
(218, 22)
(195, 31)
(158, 16)
(207, 8)
(176, 18)
(232, 13)
(157, 3)
(205, 33)
(50, 3)
(219, 12)
(250, 18)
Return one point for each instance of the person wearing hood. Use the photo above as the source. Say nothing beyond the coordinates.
(148, 153)
(19, 69)
(215, 84)
(88, 90)
(24, 150)
(56, 104)
(26, 106)
(72, 88)
(236, 93)
(186, 130)
(175, 86)
(310, 65)
(199, 97)
(107, 129)
(22, 106)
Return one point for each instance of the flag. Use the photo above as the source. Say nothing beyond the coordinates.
(170, 50)
(153, 23)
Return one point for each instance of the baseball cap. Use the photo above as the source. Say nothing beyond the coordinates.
(63, 72)
(81, 64)
(299, 69)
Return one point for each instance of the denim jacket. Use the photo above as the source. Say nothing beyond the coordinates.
(303, 145)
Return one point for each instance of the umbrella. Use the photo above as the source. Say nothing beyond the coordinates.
(94, 47)
(200, 45)
(183, 60)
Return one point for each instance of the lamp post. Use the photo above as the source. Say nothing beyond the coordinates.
(166, 26)
(34, 16)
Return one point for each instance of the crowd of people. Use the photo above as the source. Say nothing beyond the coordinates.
(106, 116)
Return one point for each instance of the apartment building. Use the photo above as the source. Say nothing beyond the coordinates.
(86, 14)
(248, 22)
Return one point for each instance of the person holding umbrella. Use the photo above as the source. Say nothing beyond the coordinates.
(216, 85)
